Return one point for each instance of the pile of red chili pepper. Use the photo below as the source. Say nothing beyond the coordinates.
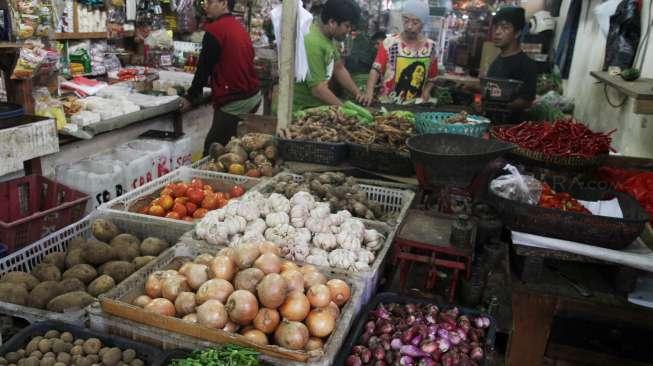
(560, 201)
(566, 138)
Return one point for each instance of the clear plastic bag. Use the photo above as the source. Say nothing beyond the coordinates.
(46, 106)
(517, 187)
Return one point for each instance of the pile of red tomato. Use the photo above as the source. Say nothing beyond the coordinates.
(189, 201)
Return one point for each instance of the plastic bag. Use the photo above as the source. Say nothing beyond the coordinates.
(29, 60)
(159, 39)
(517, 187)
(46, 106)
(623, 38)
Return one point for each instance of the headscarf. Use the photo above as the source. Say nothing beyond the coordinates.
(418, 9)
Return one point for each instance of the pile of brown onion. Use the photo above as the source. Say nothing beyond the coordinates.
(250, 290)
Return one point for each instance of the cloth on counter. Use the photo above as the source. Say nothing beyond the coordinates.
(84, 87)
(637, 255)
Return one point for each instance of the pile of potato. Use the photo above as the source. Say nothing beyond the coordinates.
(72, 280)
(62, 349)
(254, 155)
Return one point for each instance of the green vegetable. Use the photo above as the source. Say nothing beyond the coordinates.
(545, 112)
(443, 95)
(363, 114)
(631, 74)
(227, 355)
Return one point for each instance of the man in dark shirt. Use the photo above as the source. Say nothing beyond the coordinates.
(512, 62)
(226, 64)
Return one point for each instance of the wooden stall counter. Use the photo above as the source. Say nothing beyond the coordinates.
(577, 288)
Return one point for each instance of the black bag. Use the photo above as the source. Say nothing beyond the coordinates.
(623, 37)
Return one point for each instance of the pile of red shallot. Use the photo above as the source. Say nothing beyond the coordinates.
(420, 335)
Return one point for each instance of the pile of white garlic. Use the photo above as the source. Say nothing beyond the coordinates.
(304, 229)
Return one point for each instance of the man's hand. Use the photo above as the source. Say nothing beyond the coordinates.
(425, 97)
(365, 99)
(185, 104)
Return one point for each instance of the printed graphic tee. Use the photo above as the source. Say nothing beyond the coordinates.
(404, 69)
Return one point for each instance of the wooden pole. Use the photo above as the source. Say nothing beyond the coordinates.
(287, 63)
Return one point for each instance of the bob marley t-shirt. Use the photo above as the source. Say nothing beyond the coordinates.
(405, 70)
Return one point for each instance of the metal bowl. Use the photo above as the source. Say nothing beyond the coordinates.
(452, 160)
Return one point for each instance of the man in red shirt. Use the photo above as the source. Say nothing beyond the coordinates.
(226, 63)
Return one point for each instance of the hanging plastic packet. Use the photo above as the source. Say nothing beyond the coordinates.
(517, 187)
(46, 106)
(29, 60)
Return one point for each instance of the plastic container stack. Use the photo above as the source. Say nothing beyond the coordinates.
(138, 168)
(159, 154)
(101, 180)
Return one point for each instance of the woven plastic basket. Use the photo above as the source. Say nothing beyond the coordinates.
(433, 122)
(395, 198)
(122, 296)
(33, 206)
(151, 356)
(549, 161)
(380, 159)
(312, 151)
(129, 203)
(602, 231)
(27, 258)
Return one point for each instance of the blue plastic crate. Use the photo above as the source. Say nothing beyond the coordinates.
(433, 122)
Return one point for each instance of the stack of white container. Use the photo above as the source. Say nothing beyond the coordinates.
(110, 173)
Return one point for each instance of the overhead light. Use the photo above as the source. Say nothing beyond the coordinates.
(494, 13)
(465, 16)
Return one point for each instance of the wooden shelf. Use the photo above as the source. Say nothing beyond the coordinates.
(87, 35)
(11, 45)
(80, 35)
(641, 90)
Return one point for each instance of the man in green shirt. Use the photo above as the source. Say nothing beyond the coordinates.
(324, 62)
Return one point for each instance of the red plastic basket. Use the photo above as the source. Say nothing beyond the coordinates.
(33, 206)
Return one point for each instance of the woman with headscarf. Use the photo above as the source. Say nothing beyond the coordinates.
(407, 61)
